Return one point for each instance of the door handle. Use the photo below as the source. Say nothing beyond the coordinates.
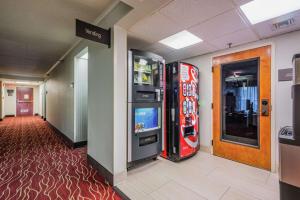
(265, 107)
(20, 101)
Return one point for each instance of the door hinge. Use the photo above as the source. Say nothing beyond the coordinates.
(212, 69)
(212, 143)
(212, 106)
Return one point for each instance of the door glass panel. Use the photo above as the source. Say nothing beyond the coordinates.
(146, 71)
(240, 102)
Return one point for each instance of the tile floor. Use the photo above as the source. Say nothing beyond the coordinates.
(203, 176)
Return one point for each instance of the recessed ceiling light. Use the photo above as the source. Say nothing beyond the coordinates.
(261, 10)
(27, 83)
(181, 40)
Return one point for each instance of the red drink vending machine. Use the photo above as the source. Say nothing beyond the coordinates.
(182, 111)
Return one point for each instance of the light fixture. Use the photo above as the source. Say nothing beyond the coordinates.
(27, 83)
(181, 40)
(22, 82)
(261, 10)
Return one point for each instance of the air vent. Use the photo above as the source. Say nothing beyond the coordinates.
(283, 24)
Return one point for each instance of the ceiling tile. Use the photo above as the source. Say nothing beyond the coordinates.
(136, 43)
(188, 52)
(265, 29)
(241, 2)
(236, 38)
(191, 12)
(226, 23)
(155, 28)
(160, 49)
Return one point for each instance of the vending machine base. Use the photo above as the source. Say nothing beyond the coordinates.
(179, 159)
(140, 162)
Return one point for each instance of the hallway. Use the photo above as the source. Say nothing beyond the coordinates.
(36, 164)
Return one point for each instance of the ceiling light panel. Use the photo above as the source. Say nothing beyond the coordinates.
(261, 10)
(181, 40)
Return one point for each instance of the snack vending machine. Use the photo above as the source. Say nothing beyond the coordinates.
(145, 105)
(182, 111)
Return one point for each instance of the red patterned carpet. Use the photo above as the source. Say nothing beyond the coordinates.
(36, 164)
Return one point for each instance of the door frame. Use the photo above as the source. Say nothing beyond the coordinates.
(33, 99)
(274, 139)
(78, 123)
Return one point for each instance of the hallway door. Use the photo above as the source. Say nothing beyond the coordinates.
(24, 101)
(242, 107)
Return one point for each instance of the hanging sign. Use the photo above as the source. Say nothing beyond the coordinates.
(92, 32)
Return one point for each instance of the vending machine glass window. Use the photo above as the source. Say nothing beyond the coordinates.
(146, 71)
(147, 119)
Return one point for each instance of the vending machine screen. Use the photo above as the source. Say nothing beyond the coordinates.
(146, 119)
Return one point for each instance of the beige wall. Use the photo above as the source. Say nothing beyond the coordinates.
(283, 49)
(9, 103)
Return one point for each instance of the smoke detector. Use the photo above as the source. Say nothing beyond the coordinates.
(283, 24)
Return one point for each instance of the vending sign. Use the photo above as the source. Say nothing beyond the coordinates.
(92, 32)
(189, 120)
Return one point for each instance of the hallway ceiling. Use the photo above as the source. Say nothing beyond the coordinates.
(217, 22)
(34, 34)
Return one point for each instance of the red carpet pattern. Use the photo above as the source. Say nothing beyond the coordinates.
(36, 164)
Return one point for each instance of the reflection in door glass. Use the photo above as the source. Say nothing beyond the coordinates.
(240, 98)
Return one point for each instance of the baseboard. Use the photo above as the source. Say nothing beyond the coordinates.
(9, 115)
(206, 149)
(107, 175)
(79, 144)
(120, 177)
(67, 140)
(1, 119)
(36, 114)
(120, 193)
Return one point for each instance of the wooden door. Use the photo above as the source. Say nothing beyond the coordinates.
(24, 101)
(260, 155)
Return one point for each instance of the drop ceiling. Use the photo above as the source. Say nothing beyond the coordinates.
(34, 34)
(217, 22)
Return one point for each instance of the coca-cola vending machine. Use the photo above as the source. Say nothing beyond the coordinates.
(182, 111)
